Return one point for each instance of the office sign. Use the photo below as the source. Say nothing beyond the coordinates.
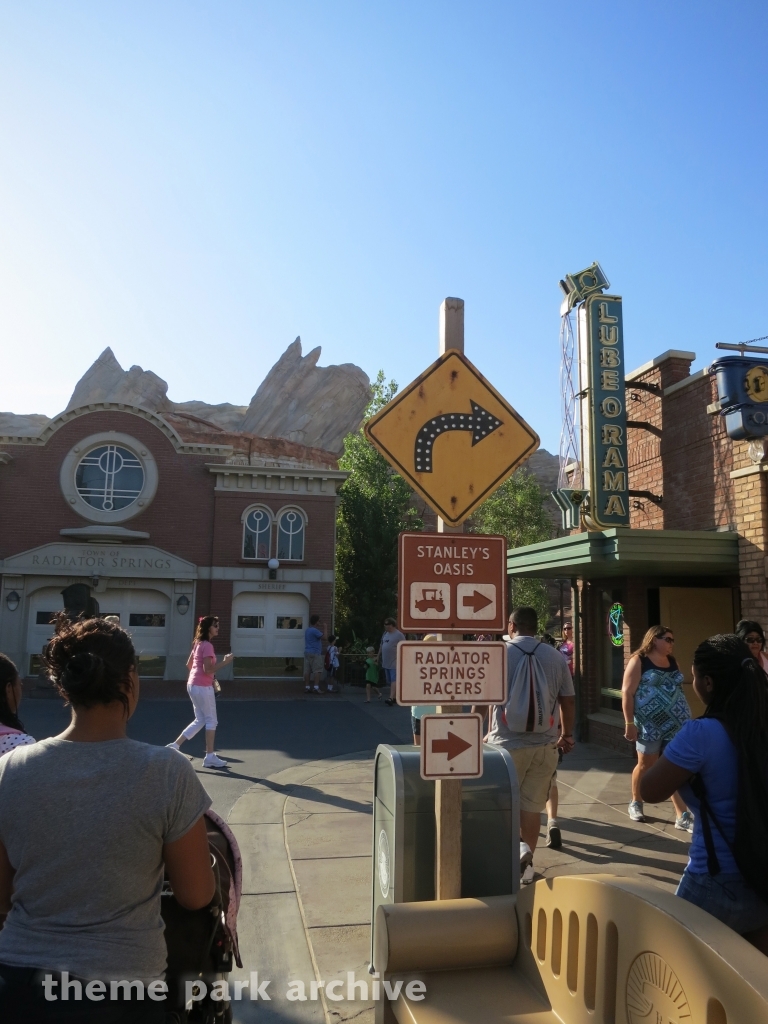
(742, 391)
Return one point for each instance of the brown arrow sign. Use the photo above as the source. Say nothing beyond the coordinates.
(476, 601)
(452, 746)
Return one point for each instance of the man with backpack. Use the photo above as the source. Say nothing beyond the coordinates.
(540, 693)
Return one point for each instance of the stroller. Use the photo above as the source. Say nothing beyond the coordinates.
(202, 944)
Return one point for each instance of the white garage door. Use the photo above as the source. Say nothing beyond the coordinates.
(145, 614)
(269, 625)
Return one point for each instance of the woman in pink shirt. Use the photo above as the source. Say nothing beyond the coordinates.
(202, 666)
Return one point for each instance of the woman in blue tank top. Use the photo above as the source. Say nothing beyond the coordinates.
(720, 764)
(655, 710)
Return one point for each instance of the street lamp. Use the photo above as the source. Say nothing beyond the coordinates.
(183, 604)
(273, 565)
(12, 600)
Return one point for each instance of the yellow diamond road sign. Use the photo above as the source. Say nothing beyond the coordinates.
(452, 436)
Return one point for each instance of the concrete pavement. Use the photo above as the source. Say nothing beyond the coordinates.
(306, 832)
(298, 795)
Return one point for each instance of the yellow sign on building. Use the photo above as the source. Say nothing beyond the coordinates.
(452, 436)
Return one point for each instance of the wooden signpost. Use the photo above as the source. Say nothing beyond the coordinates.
(455, 439)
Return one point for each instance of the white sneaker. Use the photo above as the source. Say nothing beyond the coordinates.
(526, 864)
(636, 810)
(213, 761)
(316, 689)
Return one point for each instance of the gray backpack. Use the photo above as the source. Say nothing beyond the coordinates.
(527, 708)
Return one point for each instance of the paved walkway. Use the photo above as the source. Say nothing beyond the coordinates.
(305, 834)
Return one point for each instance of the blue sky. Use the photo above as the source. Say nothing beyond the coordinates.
(197, 183)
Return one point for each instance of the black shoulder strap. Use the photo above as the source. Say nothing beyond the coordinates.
(530, 654)
(706, 812)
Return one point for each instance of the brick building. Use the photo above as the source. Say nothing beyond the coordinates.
(694, 555)
(160, 519)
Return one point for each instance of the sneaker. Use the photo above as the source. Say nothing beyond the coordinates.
(685, 822)
(316, 689)
(636, 810)
(554, 839)
(307, 689)
(526, 863)
(213, 761)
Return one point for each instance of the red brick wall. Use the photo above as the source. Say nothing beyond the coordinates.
(33, 509)
(187, 517)
(319, 540)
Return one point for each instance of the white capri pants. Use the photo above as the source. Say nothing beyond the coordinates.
(204, 702)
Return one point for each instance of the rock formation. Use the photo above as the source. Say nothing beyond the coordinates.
(298, 400)
(107, 381)
(307, 403)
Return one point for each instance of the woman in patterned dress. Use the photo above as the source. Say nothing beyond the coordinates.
(655, 709)
(12, 733)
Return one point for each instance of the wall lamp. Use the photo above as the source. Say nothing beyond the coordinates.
(12, 600)
(273, 565)
(183, 604)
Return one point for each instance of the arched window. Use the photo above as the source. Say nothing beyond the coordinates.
(257, 534)
(290, 536)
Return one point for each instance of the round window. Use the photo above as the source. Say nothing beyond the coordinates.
(109, 478)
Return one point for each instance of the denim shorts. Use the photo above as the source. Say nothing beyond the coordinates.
(650, 746)
(726, 897)
(391, 674)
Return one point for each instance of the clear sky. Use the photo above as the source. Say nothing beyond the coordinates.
(196, 183)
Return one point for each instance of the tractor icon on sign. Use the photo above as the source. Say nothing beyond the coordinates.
(428, 600)
(431, 599)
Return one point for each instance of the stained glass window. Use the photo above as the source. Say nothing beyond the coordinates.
(109, 478)
(257, 535)
(290, 536)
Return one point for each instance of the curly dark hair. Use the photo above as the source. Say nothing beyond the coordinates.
(8, 675)
(89, 661)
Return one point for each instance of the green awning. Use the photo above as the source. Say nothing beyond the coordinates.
(625, 552)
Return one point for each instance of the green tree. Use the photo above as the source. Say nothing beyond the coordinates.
(517, 511)
(375, 504)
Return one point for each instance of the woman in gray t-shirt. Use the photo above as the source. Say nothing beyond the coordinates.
(89, 822)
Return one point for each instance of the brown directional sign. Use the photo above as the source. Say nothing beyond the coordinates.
(451, 746)
(452, 581)
(451, 672)
(452, 436)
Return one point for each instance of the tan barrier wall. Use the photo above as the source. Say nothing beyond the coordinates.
(592, 950)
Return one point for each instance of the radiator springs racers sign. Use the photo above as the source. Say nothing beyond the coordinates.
(451, 672)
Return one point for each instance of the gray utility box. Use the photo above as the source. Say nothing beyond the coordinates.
(404, 829)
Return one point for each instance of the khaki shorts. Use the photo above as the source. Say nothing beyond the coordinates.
(313, 663)
(535, 767)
